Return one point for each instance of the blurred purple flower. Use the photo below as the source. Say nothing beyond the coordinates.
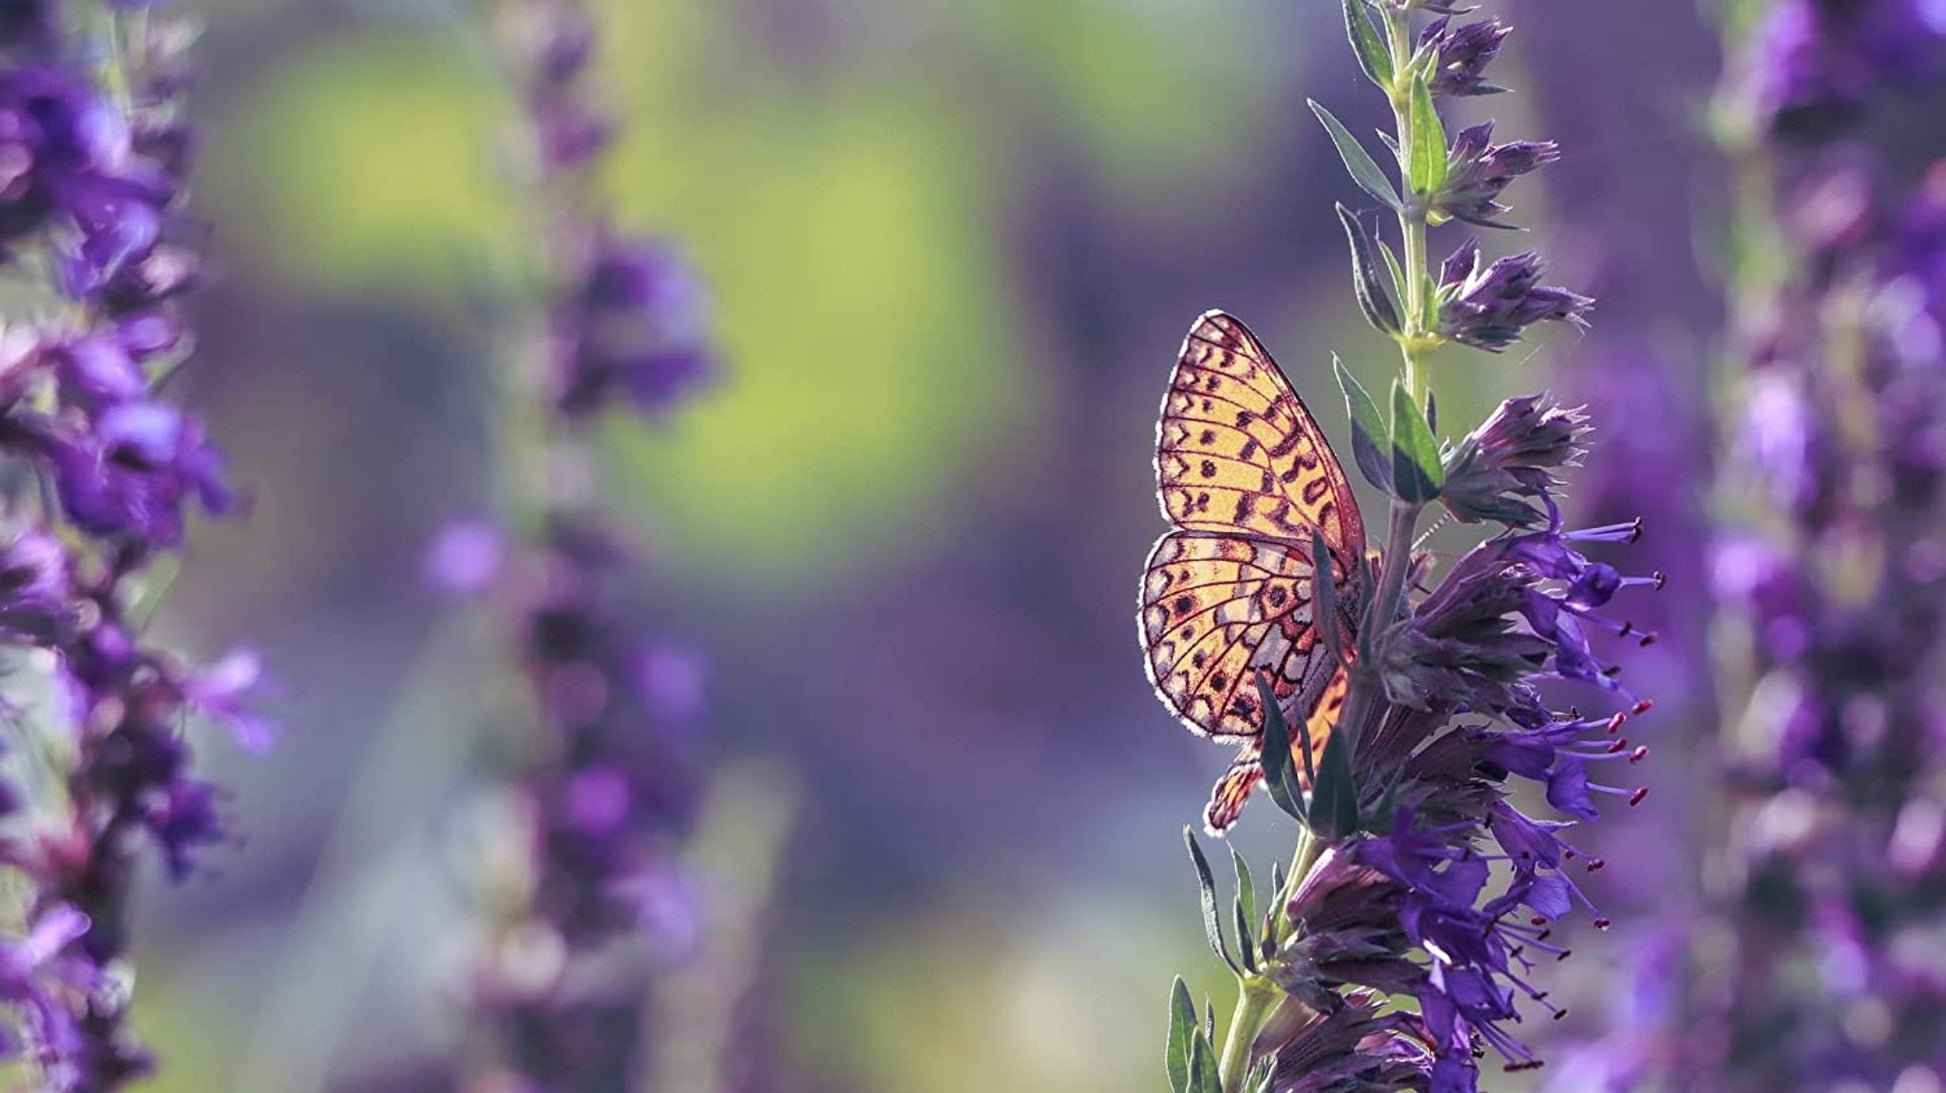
(610, 781)
(82, 199)
(1814, 63)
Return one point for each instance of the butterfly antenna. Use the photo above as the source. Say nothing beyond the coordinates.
(1420, 543)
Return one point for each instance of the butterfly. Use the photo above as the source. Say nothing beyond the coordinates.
(1244, 475)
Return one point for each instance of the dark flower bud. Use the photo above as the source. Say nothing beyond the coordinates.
(1510, 458)
(1477, 170)
(1490, 306)
(1463, 54)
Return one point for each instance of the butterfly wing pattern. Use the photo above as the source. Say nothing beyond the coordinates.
(1244, 474)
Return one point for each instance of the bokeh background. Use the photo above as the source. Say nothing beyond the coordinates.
(953, 248)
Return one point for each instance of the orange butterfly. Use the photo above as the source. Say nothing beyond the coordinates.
(1244, 475)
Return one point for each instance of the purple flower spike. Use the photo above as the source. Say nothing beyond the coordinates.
(1490, 306)
(108, 473)
(612, 784)
(1478, 170)
(1464, 53)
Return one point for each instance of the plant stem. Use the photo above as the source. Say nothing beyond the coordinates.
(1415, 338)
(1254, 1003)
(1379, 614)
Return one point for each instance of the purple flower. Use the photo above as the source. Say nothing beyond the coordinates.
(1489, 306)
(1464, 53)
(1812, 64)
(1510, 459)
(89, 200)
(636, 326)
(1478, 170)
(611, 781)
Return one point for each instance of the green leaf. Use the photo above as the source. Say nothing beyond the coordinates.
(1372, 297)
(1198, 1062)
(1275, 755)
(1374, 56)
(1212, 921)
(1246, 887)
(1334, 803)
(1246, 936)
(1416, 471)
(1324, 598)
(1371, 440)
(1392, 266)
(1182, 1031)
(1358, 162)
(1428, 141)
(1203, 1077)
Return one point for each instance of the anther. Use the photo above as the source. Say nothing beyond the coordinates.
(1615, 722)
(1596, 865)
(1636, 797)
(1649, 639)
(1620, 744)
(1538, 920)
(1563, 955)
(1558, 1014)
(1639, 754)
(1644, 706)
(1603, 923)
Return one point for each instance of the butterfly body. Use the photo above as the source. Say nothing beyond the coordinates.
(1245, 477)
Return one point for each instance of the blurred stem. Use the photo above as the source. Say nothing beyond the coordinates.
(373, 859)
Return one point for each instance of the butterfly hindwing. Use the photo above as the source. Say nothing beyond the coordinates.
(1215, 610)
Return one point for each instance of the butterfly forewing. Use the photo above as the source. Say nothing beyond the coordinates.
(1244, 474)
(1237, 451)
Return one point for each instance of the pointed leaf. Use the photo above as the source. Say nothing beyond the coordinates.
(1206, 883)
(1371, 440)
(1428, 141)
(1182, 1030)
(1392, 266)
(1358, 162)
(1372, 298)
(1275, 755)
(1246, 887)
(1199, 1065)
(1209, 1024)
(1334, 803)
(1205, 1075)
(1374, 56)
(1324, 598)
(1416, 471)
(1246, 936)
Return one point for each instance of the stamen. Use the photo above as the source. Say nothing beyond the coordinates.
(1639, 754)
(1637, 797)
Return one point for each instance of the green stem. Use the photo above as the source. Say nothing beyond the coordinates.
(1254, 1004)
(1416, 338)
(1384, 608)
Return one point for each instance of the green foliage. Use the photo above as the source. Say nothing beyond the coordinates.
(1367, 44)
(1358, 162)
(1371, 438)
(1416, 470)
(1428, 158)
(1373, 300)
